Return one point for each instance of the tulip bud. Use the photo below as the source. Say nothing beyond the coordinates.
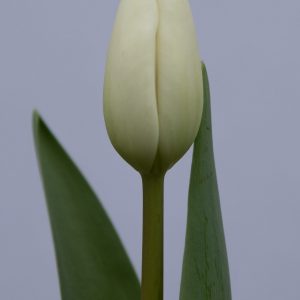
(153, 92)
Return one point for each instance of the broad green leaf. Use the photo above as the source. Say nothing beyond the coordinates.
(91, 260)
(205, 274)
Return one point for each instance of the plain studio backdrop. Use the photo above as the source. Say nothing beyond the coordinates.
(52, 57)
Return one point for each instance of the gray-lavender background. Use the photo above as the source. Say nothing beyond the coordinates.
(52, 56)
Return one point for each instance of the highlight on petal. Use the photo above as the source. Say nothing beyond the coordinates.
(130, 106)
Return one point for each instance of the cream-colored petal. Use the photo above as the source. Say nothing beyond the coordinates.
(180, 91)
(129, 91)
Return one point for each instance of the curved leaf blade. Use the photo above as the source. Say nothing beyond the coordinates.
(91, 260)
(205, 273)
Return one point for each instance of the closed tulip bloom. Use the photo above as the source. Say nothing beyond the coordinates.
(153, 92)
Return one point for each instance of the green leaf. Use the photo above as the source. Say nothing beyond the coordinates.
(205, 274)
(91, 260)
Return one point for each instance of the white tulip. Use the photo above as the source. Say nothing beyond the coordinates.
(153, 92)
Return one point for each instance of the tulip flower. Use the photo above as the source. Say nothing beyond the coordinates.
(153, 93)
(153, 101)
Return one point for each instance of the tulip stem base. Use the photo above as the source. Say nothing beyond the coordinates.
(153, 220)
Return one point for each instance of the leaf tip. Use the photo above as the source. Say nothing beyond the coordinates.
(204, 70)
(37, 125)
(203, 66)
(36, 118)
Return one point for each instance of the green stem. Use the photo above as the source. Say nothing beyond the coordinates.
(153, 220)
